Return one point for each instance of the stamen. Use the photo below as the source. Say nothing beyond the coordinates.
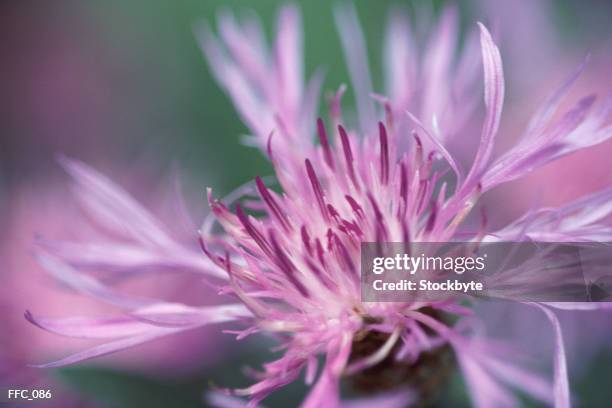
(285, 265)
(356, 207)
(306, 240)
(403, 181)
(269, 146)
(352, 226)
(418, 154)
(344, 255)
(381, 229)
(332, 211)
(217, 260)
(257, 236)
(319, 274)
(384, 154)
(335, 109)
(272, 204)
(320, 252)
(316, 187)
(431, 220)
(403, 193)
(325, 143)
(348, 155)
(406, 236)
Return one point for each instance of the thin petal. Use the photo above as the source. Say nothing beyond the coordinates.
(90, 327)
(437, 64)
(326, 392)
(580, 306)
(87, 284)
(494, 99)
(289, 55)
(184, 317)
(112, 207)
(108, 348)
(355, 53)
(548, 109)
(400, 57)
(176, 314)
(561, 387)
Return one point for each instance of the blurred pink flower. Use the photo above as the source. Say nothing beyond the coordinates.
(41, 208)
(294, 271)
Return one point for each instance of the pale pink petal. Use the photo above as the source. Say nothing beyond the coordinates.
(355, 53)
(494, 99)
(400, 60)
(130, 259)
(561, 387)
(326, 391)
(87, 284)
(550, 106)
(176, 314)
(289, 54)
(90, 327)
(437, 64)
(485, 390)
(111, 347)
(181, 317)
(585, 219)
(112, 207)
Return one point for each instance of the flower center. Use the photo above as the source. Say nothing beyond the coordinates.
(430, 370)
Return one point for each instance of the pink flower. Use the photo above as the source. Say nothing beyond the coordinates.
(294, 271)
(39, 207)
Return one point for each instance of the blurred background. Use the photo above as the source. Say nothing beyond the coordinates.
(123, 86)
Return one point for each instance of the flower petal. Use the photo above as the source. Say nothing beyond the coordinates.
(561, 387)
(494, 100)
(88, 284)
(90, 327)
(112, 207)
(108, 348)
(326, 391)
(137, 332)
(355, 53)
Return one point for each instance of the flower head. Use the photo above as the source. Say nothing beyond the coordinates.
(294, 268)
